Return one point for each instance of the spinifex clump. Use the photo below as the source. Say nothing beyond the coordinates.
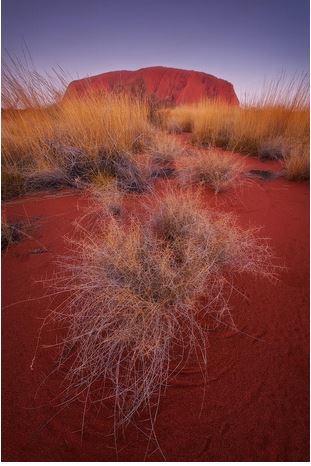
(133, 315)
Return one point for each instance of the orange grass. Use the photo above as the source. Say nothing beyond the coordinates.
(274, 126)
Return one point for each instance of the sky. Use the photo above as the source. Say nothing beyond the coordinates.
(246, 42)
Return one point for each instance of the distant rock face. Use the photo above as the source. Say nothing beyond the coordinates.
(167, 85)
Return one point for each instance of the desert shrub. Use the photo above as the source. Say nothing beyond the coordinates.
(297, 163)
(216, 170)
(46, 179)
(113, 123)
(164, 149)
(133, 290)
(128, 174)
(273, 149)
(69, 143)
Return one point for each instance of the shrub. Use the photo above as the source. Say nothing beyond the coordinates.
(133, 312)
(164, 149)
(217, 170)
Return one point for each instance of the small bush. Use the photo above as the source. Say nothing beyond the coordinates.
(134, 315)
(164, 149)
(129, 176)
(274, 149)
(216, 170)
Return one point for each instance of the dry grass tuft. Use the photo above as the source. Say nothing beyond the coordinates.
(133, 293)
(216, 170)
(297, 163)
(176, 120)
(130, 177)
(164, 149)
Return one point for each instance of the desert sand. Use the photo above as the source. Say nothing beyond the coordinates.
(256, 402)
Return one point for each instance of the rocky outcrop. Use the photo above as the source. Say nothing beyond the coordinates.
(166, 85)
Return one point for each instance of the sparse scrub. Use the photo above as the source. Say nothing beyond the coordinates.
(219, 171)
(251, 130)
(133, 315)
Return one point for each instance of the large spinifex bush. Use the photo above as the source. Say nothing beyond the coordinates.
(109, 124)
(134, 311)
(43, 132)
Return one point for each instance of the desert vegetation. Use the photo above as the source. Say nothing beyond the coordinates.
(275, 126)
(133, 312)
(70, 140)
(212, 169)
(141, 291)
(49, 141)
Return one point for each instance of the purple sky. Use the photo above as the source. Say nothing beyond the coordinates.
(243, 41)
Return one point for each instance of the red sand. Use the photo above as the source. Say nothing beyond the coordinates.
(256, 405)
(167, 84)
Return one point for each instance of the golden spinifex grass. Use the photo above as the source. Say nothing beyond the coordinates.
(297, 162)
(219, 171)
(164, 148)
(54, 140)
(274, 126)
(110, 123)
(133, 311)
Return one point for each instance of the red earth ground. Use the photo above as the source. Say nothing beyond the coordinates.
(166, 84)
(256, 404)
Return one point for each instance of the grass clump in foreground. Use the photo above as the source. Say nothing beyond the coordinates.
(134, 312)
